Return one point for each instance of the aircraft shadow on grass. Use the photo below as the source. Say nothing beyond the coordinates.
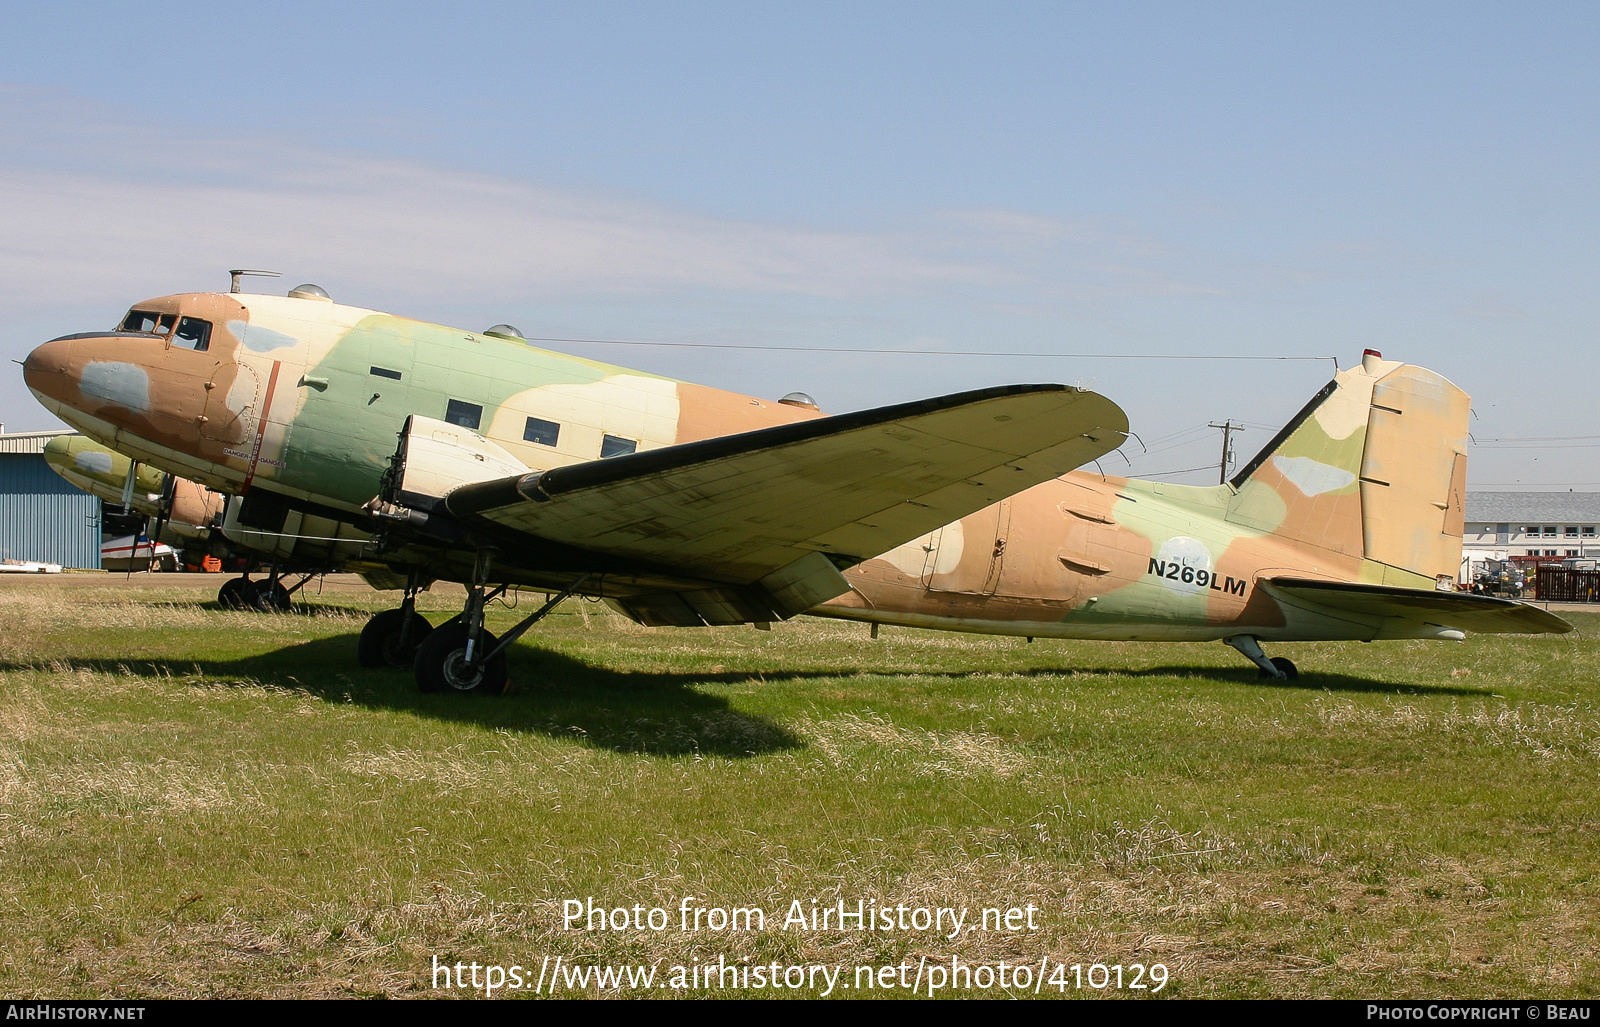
(654, 712)
(296, 609)
(1315, 681)
(552, 694)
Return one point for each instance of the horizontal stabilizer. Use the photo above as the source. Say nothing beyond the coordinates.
(1459, 610)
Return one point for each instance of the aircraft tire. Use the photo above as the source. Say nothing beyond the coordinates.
(267, 597)
(379, 645)
(440, 659)
(1285, 667)
(231, 595)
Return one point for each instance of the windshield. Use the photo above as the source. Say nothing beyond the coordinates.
(148, 321)
(191, 332)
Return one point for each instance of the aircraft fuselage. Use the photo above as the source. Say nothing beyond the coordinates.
(304, 398)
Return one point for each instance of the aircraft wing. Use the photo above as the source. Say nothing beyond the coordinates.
(1459, 610)
(781, 509)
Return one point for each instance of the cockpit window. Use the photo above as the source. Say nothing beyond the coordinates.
(148, 321)
(193, 333)
(140, 321)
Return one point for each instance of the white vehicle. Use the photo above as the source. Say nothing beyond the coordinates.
(28, 567)
(137, 553)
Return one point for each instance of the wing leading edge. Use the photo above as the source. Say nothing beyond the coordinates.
(774, 513)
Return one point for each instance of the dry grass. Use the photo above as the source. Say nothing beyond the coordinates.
(202, 803)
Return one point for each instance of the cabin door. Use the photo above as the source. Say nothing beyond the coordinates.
(968, 556)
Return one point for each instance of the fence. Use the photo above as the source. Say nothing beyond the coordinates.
(1566, 585)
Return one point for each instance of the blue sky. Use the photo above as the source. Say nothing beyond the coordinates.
(1204, 179)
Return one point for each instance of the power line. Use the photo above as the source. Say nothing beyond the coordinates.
(929, 352)
(1177, 445)
(1170, 436)
(1540, 438)
(1186, 470)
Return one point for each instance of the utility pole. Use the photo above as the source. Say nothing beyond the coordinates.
(1228, 428)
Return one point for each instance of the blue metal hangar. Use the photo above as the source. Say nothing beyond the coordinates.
(41, 516)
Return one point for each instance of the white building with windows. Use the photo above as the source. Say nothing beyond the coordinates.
(1518, 525)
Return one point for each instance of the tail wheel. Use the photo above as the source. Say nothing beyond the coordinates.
(1285, 667)
(380, 644)
(441, 664)
(232, 596)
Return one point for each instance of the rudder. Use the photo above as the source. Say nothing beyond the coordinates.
(1373, 468)
(1414, 479)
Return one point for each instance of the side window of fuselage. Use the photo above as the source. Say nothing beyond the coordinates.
(194, 334)
(467, 415)
(545, 433)
(610, 445)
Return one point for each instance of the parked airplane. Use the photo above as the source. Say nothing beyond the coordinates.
(189, 517)
(1347, 525)
(189, 509)
(685, 505)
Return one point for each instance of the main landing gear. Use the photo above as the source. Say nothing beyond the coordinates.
(1278, 668)
(461, 655)
(263, 595)
(391, 638)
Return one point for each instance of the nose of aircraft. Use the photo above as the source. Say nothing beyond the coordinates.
(103, 381)
(51, 358)
(48, 371)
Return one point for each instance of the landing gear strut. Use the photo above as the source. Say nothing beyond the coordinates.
(391, 638)
(461, 656)
(1278, 668)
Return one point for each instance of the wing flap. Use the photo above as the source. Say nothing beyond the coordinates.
(1459, 610)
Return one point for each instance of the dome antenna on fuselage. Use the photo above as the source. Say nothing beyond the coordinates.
(241, 272)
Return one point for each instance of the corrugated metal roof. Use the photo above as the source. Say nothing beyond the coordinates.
(1543, 507)
(29, 441)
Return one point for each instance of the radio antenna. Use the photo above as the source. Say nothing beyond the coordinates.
(241, 272)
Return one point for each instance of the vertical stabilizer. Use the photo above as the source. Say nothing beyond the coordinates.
(1372, 469)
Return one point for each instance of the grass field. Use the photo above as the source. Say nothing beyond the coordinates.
(213, 804)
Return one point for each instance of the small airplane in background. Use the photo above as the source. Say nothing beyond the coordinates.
(411, 452)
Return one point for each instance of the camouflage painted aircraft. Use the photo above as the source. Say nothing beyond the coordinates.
(188, 516)
(189, 509)
(519, 467)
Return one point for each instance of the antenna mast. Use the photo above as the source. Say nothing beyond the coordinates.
(238, 273)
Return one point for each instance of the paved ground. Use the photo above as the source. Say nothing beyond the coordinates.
(1568, 607)
(203, 582)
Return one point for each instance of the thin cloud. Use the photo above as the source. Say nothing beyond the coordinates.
(95, 201)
